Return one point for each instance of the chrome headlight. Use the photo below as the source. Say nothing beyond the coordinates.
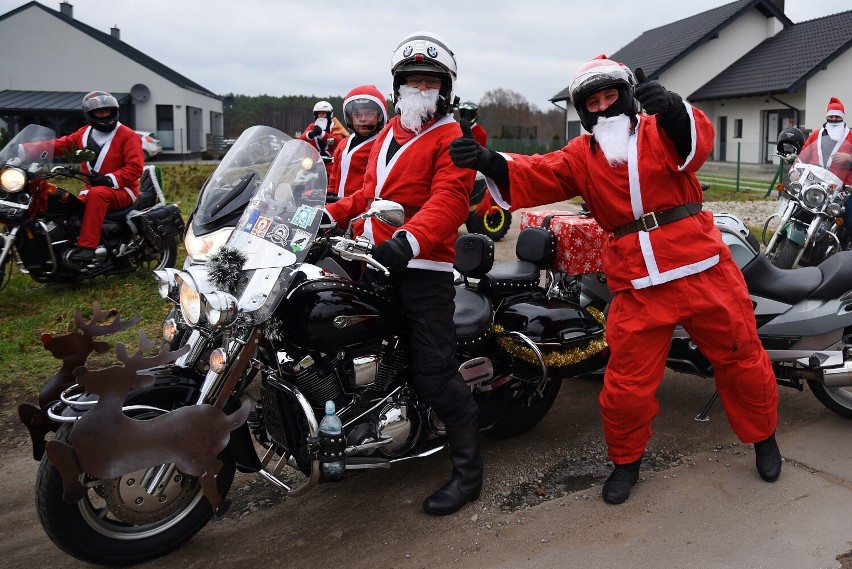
(220, 308)
(13, 179)
(190, 301)
(835, 209)
(814, 197)
(167, 283)
(200, 248)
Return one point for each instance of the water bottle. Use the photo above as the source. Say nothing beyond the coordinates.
(331, 430)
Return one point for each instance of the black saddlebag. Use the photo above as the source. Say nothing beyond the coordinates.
(161, 223)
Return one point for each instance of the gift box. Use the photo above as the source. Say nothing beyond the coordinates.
(579, 240)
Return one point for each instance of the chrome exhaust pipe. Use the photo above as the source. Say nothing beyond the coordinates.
(837, 376)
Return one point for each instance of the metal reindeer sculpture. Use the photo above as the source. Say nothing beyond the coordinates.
(105, 443)
(73, 349)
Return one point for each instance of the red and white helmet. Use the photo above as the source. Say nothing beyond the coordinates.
(365, 96)
(596, 75)
(426, 53)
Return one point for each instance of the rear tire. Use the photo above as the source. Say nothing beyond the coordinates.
(494, 224)
(837, 399)
(528, 409)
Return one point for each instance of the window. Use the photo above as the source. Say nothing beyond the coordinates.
(166, 126)
(738, 128)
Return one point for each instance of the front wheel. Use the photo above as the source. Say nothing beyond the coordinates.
(125, 520)
(163, 256)
(786, 254)
(837, 399)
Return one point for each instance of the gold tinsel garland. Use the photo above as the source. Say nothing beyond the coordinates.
(556, 358)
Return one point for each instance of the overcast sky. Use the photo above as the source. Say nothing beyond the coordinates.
(326, 47)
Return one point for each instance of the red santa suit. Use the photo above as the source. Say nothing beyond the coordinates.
(813, 152)
(350, 165)
(481, 137)
(681, 272)
(436, 199)
(326, 143)
(120, 159)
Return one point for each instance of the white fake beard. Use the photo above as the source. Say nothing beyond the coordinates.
(416, 106)
(835, 130)
(613, 135)
(322, 123)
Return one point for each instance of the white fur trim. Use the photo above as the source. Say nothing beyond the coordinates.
(693, 134)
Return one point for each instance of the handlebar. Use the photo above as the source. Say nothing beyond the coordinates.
(356, 250)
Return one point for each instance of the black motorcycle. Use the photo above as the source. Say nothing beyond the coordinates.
(147, 451)
(41, 221)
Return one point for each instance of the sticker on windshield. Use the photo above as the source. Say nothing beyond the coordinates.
(261, 226)
(300, 240)
(249, 225)
(279, 234)
(304, 216)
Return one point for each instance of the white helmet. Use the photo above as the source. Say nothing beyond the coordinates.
(325, 107)
(425, 53)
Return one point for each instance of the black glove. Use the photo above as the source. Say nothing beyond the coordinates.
(315, 132)
(465, 152)
(99, 180)
(393, 253)
(651, 95)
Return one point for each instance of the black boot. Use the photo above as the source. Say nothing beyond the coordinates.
(465, 482)
(616, 489)
(768, 459)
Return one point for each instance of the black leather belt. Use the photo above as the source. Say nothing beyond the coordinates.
(651, 221)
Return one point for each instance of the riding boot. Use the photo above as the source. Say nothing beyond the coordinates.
(768, 459)
(616, 489)
(465, 483)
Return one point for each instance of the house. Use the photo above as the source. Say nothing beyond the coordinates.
(749, 68)
(51, 60)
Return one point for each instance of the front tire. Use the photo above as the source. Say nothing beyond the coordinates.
(786, 254)
(118, 522)
(837, 399)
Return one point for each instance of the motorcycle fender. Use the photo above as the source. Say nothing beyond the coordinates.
(796, 233)
(183, 385)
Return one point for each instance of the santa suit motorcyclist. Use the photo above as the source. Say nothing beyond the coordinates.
(410, 164)
(115, 170)
(321, 133)
(665, 260)
(365, 113)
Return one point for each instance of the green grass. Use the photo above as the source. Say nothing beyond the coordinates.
(29, 309)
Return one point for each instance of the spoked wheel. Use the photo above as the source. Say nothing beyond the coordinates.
(838, 399)
(162, 257)
(126, 520)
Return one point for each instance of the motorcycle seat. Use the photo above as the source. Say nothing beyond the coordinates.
(472, 314)
(510, 278)
(837, 276)
(148, 196)
(784, 285)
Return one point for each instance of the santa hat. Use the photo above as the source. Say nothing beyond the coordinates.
(835, 108)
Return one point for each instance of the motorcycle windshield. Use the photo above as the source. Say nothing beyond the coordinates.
(228, 189)
(808, 169)
(279, 226)
(33, 145)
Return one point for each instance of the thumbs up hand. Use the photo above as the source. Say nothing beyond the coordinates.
(465, 152)
(651, 95)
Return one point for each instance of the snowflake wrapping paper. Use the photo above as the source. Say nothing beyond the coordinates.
(579, 240)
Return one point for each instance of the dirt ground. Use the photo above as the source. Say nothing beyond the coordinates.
(374, 519)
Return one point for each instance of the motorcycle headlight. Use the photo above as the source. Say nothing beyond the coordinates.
(835, 209)
(220, 308)
(200, 248)
(167, 283)
(13, 179)
(190, 301)
(794, 188)
(814, 197)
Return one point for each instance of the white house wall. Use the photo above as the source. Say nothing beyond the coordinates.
(711, 58)
(74, 61)
(834, 81)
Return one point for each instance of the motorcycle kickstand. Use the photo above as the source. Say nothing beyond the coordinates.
(702, 417)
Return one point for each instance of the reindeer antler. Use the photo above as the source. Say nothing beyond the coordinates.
(91, 328)
(139, 363)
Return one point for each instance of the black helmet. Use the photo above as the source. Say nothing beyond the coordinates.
(599, 74)
(469, 111)
(790, 141)
(100, 100)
